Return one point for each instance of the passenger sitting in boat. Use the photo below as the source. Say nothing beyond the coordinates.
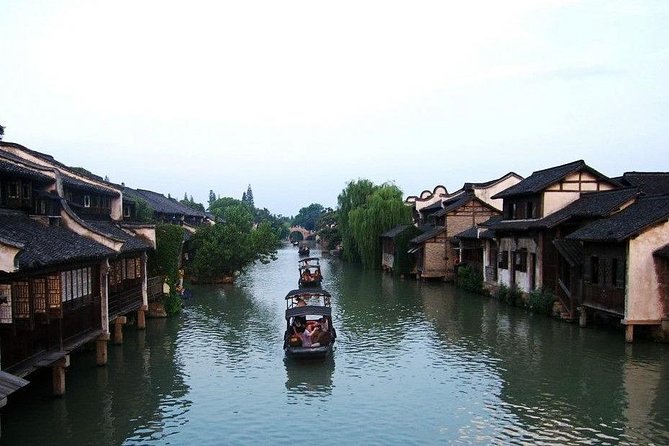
(305, 334)
(321, 333)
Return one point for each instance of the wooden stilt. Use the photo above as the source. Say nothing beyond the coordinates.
(583, 318)
(101, 352)
(629, 333)
(118, 329)
(141, 318)
(58, 372)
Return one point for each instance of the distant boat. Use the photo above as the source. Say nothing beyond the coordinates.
(304, 250)
(309, 331)
(310, 272)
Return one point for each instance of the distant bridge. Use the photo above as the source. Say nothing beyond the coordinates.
(305, 233)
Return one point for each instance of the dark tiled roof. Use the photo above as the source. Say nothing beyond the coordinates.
(11, 169)
(433, 207)
(489, 234)
(571, 250)
(454, 203)
(470, 233)
(52, 161)
(589, 205)
(433, 232)
(160, 203)
(110, 229)
(47, 245)
(492, 220)
(651, 183)
(88, 187)
(394, 232)
(632, 220)
(663, 252)
(485, 184)
(541, 179)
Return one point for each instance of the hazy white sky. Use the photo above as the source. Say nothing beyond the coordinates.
(297, 98)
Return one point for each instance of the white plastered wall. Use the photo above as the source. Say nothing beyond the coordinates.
(642, 295)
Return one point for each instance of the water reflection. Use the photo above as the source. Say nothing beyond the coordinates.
(415, 363)
(309, 378)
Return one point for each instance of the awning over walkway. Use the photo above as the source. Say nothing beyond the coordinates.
(571, 250)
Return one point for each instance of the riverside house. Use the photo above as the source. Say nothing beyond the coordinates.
(436, 255)
(436, 251)
(625, 264)
(69, 265)
(526, 256)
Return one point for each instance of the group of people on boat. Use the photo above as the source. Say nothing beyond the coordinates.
(312, 333)
(308, 276)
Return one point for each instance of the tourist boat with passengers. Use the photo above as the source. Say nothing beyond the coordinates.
(303, 250)
(310, 272)
(309, 331)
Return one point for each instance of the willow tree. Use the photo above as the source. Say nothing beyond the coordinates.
(383, 210)
(354, 196)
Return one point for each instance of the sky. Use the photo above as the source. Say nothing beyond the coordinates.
(297, 98)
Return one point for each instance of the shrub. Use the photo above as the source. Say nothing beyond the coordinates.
(541, 301)
(509, 295)
(470, 279)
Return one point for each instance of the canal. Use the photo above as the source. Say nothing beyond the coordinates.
(415, 363)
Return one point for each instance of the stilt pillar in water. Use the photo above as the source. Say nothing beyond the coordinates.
(141, 317)
(101, 350)
(583, 317)
(629, 333)
(58, 371)
(119, 322)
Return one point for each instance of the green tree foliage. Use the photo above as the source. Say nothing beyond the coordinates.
(225, 248)
(384, 209)
(143, 212)
(353, 196)
(169, 240)
(328, 230)
(219, 206)
(189, 202)
(212, 198)
(2, 132)
(470, 279)
(309, 216)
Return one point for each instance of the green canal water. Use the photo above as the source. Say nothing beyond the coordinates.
(415, 363)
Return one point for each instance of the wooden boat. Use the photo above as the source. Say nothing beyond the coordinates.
(303, 250)
(309, 331)
(310, 272)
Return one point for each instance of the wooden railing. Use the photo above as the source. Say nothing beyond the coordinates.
(155, 288)
(125, 302)
(604, 298)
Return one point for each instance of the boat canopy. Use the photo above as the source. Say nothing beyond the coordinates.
(307, 293)
(309, 310)
(309, 259)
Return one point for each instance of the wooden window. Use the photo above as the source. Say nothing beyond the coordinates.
(138, 267)
(14, 189)
(53, 292)
(130, 268)
(21, 295)
(618, 272)
(126, 211)
(503, 260)
(6, 305)
(529, 210)
(520, 260)
(26, 191)
(594, 270)
(39, 294)
(76, 283)
(87, 201)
